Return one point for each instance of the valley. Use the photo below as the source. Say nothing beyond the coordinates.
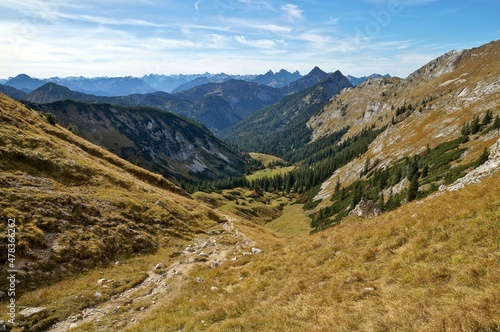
(276, 202)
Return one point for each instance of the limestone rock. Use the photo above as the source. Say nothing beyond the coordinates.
(489, 167)
(30, 311)
(366, 209)
(256, 251)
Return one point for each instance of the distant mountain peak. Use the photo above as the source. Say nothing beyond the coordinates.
(23, 76)
(316, 71)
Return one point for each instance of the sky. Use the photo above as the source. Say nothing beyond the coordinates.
(47, 38)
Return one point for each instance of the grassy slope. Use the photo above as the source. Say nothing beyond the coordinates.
(79, 207)
(293, 222)
(266, 159)
(428, 266)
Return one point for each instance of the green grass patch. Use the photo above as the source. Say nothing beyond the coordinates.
(293, 222)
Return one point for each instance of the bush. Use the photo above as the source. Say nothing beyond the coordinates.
(50, 118)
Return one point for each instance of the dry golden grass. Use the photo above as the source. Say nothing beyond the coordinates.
(429, 266)
(244, 204)
(79, 208)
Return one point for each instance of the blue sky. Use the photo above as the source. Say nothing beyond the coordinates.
(45, 38)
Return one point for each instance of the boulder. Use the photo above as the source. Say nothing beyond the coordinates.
(30, 311)
(256, 251)
(160, 203)
(366, 209)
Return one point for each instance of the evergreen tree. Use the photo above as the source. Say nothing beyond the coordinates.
(413, 189)
(496, 123)
(482, 158)
(475, 127)
(487, 118)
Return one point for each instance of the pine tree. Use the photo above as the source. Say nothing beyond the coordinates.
(413, 189)
(337, 185)
(482, 158)
(475, 126)
(496, 123)
(487, 118)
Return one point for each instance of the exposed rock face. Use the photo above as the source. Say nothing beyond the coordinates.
(490, 166)
(366, 209)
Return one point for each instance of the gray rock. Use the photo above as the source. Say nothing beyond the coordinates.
(30, 311)
(97, 294)
(159, 266)
(256, 251)
(160, 203)
(366, 209)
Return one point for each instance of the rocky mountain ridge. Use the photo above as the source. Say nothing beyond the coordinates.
(162, 142)
(216, 105)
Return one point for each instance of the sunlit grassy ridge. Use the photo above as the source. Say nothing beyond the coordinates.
(78, 207)
(431, 265)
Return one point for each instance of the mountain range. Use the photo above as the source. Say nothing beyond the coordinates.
(122, 86)
(358, 80)
(370, 206)
(216, 105)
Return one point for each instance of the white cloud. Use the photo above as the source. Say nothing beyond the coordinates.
(292, 11)
(259, 43)
(110, 21)
(274, 28)
(196, 4)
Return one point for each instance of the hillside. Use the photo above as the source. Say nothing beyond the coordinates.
(281, 126)
(51, 92)
(243, 97)
(430, 266)
(12, 92)
(78, 207)
(162, 142)
(429, 108)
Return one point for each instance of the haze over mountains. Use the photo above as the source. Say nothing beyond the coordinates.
(216, 105)
(122, 86)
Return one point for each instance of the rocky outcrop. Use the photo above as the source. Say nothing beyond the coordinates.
(489, 167)
(366, 209)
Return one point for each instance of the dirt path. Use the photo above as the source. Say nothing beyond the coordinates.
(161, 285)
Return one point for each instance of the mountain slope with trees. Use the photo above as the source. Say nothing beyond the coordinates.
(281, 127)
(160, 141)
